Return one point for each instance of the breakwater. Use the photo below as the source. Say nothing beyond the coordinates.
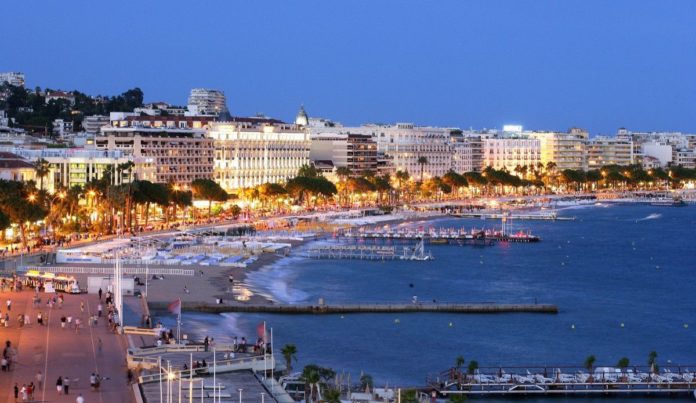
(480, 308)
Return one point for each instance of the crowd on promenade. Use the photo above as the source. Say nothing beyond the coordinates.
(73, 317)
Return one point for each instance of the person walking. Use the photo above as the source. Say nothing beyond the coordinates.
(100, 294)
(80, 399)
(39, 379)
(99, 309)
(9, 305)
(82, 306)
(16, 392)
(66, 385)
(59, 385)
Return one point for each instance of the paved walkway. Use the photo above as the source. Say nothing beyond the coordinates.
(63, 352)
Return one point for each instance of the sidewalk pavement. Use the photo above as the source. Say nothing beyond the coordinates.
(64, 352)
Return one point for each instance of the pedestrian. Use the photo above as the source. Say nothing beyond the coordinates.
(16, 392)
(30, 391)
(66, 385)
(82, 306)
(63, 320)
(99, 310)
(39, 379)
(9, 304)
(59, 385)
(80, 399)
(39, 318)
(100, 294)
(23, 392)
(93, 381)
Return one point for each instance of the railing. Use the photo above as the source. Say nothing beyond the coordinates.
(140, 330)
(110, 270)
(237, 364)
(179, 348)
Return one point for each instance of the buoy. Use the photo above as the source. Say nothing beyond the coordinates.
(686, 325)
(622, 324)
(397, 321)
(562, 263)
(572, 326)
(450, 324)
(342, 316)
(657, 267)
(481, 261)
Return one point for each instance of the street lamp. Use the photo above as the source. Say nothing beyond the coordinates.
(240, 394)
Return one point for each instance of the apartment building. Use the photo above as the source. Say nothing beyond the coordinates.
(602, 151)
(357, 152)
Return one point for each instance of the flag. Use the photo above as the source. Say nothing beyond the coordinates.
(175, 307)
(261, 331)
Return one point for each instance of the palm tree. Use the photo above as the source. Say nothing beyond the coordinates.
(311, 377)
(623, 364)
(652, 361)
(589, 364)
(366, 381)
(422, 161)
(42, 169)
(459, 361)
(289, 352)
(332, 396)
(401, 177)
(473, 366)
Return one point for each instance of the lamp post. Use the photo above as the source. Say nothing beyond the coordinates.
(240, 394)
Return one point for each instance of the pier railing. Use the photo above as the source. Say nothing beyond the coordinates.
(254, 363)
(566, 380)
(105, 270)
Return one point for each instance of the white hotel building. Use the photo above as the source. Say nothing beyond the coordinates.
(508, 153)
(404, 144)
(251, 151)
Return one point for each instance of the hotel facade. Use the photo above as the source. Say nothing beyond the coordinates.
(250, 152)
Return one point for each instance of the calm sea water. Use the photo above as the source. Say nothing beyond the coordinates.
(630, 265)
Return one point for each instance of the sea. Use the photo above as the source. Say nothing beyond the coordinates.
(623, 277)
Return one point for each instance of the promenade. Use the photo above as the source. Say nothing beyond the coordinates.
(63, 352)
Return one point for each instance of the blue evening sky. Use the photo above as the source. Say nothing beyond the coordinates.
(544, 64)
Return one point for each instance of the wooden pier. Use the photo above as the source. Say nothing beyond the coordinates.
(480, 308)
(526, 217)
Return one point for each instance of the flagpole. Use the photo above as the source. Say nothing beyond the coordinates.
(272, 357)
(265, 363)
(178, 326)
(214, 372)
(191, 380)
(159, 362)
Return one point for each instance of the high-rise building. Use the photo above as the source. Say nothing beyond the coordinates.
(566, 150)
(253, 151)
(203, 101)
(602, 151)
(170, 149)
(12, 78)
(357, 152)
